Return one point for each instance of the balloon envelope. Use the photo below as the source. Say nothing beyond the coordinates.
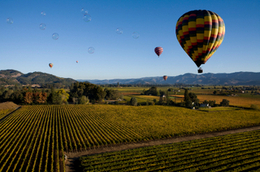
(200, 33)
(50, 64)
(77, 61)
(165, 77)
(158, 51)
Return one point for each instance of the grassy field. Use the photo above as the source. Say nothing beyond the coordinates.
(33, 138)
(241, 100)
(235, 101)
(234, 152)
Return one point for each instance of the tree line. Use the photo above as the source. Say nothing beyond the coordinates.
(79, 93)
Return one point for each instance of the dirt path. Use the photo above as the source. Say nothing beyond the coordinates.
(73, 156)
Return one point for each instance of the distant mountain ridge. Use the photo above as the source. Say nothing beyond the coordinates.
(12, 77)
(236, 78)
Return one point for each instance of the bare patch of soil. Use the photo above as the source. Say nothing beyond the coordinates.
(72, 161)
(8, 105)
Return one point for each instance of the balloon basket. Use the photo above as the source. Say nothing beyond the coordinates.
(200, 70)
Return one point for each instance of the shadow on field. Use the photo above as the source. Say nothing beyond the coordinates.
(9, 114)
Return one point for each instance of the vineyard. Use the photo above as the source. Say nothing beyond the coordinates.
(34, 138)
(4, 112)
(236, 152)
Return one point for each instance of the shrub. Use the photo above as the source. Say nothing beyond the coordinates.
(255, 107)
(151, 103)
(205, 102)
(182, 104)
(224, 102)
(172, 102)
(212, 103)
(133, 101)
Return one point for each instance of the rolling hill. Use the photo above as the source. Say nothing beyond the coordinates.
(12, 77)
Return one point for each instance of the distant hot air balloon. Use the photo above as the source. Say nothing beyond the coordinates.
(200, 33)
(158, 51)
(165, 77)
(50, 64)
(77, 61)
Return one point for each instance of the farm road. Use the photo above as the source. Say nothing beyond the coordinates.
(74, 156)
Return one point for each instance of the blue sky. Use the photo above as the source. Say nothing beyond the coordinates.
(27, 48)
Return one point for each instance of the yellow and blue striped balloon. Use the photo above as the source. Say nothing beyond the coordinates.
(200, 33)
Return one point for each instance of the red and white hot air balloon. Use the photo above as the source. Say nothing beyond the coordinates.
(50, 64)
(158, 51)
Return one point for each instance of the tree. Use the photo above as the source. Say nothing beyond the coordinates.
(188, 104)
(57, 98)
(197, 103)
(192, 97)
(2, 89)
(99, 94)
(28, 98)
(75, 100)
(17, 97)
(212, 103)
(186, 95)
(170, 89)
(36, 97)
(133, 101)
(167, 98)
(64, 95)
(83, 100)
(93, 92)
(224, 102)
(215, 92)
(162, 93)
(153, 91)
(111, 94)
(44, 97)
(205, 102)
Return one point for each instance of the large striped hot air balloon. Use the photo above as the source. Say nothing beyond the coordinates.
(50, 64)
(200, 33)
(158, 51)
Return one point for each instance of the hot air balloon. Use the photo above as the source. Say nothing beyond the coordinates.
(200, 33)
(50, 64)
(158, 51)
(165, 77)
(77, 61)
